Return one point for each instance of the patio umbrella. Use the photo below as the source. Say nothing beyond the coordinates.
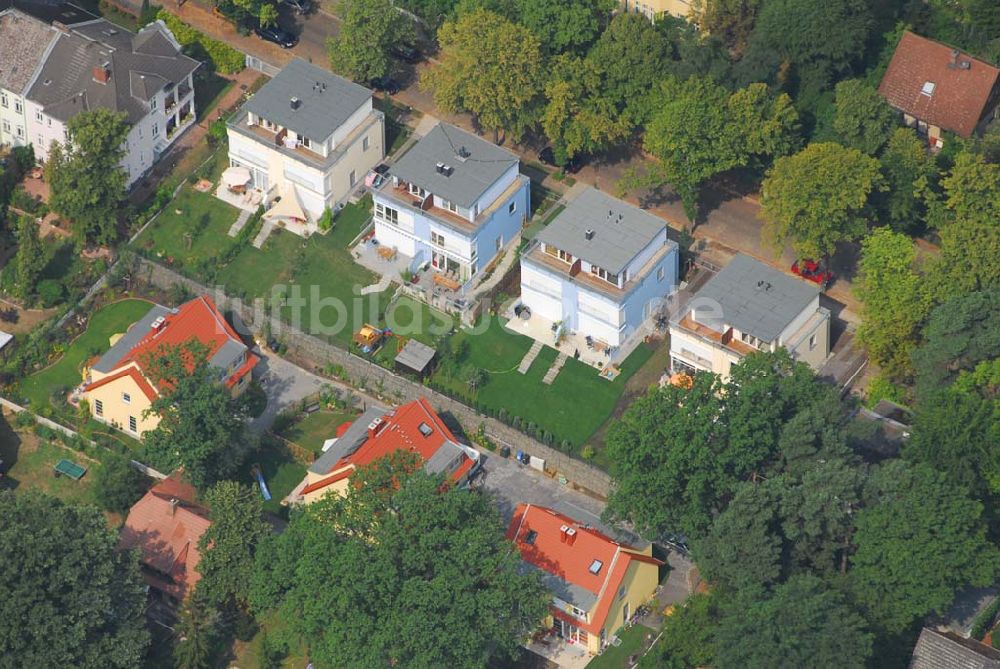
(288, 207)
(236, 176)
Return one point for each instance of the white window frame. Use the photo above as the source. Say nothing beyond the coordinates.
(387, 213)
(416, 190)
(512, 207)
(126, 398)
(437, 239)
(133, 425)
(98, 408)
(365, 143)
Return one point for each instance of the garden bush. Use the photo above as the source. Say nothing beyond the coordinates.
(50, 292)
(222, 57)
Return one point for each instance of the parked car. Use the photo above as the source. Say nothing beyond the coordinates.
(548, 157)
(812, 271)
(407, 53)
(385, 84)
(300, 6)
(282, 38)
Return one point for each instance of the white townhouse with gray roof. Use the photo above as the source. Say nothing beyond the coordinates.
(749, 306)
(452, 202)
(89, 63)
(307, 136)
(600, 269)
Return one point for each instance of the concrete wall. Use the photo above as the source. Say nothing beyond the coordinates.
(393, 388)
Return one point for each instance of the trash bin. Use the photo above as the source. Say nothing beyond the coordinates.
(505, 452)
(520, 457)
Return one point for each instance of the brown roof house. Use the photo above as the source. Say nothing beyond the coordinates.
(165, 526)
(945, 650)
(939, 88)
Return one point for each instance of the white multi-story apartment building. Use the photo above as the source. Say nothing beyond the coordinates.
(24, 42)
(96, 64)
(308, 135)
(600, 269)
(746, 307)
(453, 201)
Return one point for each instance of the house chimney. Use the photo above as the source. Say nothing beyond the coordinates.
(588, 234)
(954, 57)
(570, 536)
(375, 427)
(102, 73)
(563, 530)
(295, 103)
(174, 503)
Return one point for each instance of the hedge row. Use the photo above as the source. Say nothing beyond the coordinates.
(224, 58)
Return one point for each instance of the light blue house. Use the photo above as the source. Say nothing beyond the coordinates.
(599, 270)
(452, 202)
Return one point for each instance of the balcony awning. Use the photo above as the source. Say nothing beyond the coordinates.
(236, 176)
(287, 207)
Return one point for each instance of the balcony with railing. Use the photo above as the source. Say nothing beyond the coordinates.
(725, 339)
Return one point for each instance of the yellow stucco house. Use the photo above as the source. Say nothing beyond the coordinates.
(684, 9)
(118, 386)
(596, 583)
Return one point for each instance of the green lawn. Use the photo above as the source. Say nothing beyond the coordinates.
(317, 427)
(616, 657)
(281, 472)
(572, 408)
(322, 272)
(251, 655)
(65, 373)
(202, 216)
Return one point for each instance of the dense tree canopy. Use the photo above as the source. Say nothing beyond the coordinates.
(863, 118)
(30, 258)
(118, 484)
(909, 175)
(564, 25)
(817, 198)
(401, 572)
(368, 31)
(86, 176)
(489, 67)
(959, 334)
(731, 20)
(69, 597)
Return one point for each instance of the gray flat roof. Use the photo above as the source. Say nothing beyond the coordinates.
(620, 230)
(756, 298)
(348, 443)
(561, 588)
(483, 165)
(320, 112)
(137, 331)
(415, 355)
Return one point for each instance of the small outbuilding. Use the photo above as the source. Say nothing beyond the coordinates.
(415, 358)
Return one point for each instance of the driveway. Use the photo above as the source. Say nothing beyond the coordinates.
(284, 384)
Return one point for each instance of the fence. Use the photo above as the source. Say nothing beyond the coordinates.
(371, 377)
(255, 63)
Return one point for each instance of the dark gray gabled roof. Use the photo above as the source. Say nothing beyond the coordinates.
(445, 459)
(471, 176)
(135, 76)
(415, 355)
(137, 331)
(755, 298)
(23, 42)
(228, 353)
(349, 442)
(49, 11)
(620, 231)
(320, 111)
(944, 650)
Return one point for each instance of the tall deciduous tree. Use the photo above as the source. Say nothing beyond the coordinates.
(802, 623)
(70, 597)
(893, 299)
(368, 31)
(86, 177)
(959, 335)
(404, 571)
(730, 20)
(489, 67)
(199, 423)
(688, 635)
(578, 117)
(30, 258)
(919, 540)
(909, 174)
(818, 197)
(564, 25)
(118, 484)
(863, 118)
(229, 545)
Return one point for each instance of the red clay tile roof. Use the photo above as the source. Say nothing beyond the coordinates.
(960, 97)
(550, 551)
(167, 541)
(398, 430)
(132, 372)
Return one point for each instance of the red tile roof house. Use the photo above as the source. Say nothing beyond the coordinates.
(119, 387)
(165, 526)
(377, 433)
(939, 88)
(596, 582)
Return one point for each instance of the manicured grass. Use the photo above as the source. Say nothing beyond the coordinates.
(209, 88)
(572, 408)
(323, 272)
(411, 319)
(29, 461)
(538, 225)
(281, 472)
(616, 657)
(65, 373)
(251, 655)
(202, 216)
(317, 427)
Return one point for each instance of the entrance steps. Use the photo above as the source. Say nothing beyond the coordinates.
(553, 372)
(529, 357)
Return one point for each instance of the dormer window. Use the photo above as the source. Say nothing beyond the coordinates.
(530, 537)
(595, 567)
(425, 429)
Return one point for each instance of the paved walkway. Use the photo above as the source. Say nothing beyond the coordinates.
(529, 357)
(553, 372)
(265, 232)
(241, 221)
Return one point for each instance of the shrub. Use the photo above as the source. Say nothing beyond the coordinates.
(217, 131)
(881, 388)
(119, 485)
(982, 622)
(587, 453)
(325, 222)
(24, 419)
(50, 292)
(223, 57)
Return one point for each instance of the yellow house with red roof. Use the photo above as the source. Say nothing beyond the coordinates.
(413, 427)
(597, 583)
(119, 387)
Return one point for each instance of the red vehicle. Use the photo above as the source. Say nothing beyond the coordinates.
(812, 271)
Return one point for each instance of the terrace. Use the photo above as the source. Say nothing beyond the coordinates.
(723, 339)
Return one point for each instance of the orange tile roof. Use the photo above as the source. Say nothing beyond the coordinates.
(551, 551)
(960, 97)
(398, 430)
(167, 538)
(134, 374)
